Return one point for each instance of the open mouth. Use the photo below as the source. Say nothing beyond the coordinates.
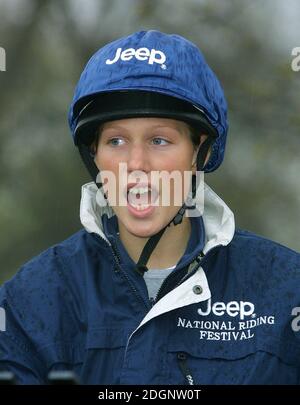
(141, 196)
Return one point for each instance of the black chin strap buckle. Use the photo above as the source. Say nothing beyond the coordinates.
(179, 216)
(141, 269)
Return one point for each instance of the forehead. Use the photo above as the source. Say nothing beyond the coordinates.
(147, 123)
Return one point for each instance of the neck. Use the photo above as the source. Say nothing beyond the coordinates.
(169, 249)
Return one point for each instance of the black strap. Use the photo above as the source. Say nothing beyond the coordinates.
(153, 240)
(147, 251)
(202, 153)
(88, 160)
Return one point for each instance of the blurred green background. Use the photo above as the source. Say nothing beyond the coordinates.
(247, 43)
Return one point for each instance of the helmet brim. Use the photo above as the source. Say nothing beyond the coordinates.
(118, 105)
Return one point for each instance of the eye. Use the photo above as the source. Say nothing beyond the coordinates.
(160, 141)
(115, 141)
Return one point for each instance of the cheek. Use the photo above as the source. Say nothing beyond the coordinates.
(105, 161)
(177, 159)
(181, 162)
(109, 175)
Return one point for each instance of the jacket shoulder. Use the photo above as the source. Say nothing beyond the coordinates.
(45, 310)
(50, 290)
(243, 236)
(264, 253)
(60, 258)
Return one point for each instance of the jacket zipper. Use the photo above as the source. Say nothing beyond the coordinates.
(149, 304)
(188, 275)
(170, 276)
(117, 260)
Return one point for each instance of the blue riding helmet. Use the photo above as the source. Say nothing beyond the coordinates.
(121, 78)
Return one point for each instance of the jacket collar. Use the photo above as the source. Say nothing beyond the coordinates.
(193, 249)
(217, 217)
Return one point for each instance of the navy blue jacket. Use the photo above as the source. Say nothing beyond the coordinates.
(227, 314)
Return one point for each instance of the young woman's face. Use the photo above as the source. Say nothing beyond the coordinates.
(145, 146)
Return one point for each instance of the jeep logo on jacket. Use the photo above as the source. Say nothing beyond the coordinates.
(233, 308)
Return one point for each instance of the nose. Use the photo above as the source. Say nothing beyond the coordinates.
(138, 158)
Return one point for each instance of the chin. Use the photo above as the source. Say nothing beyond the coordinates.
(146, 227)
(143, 229)
(143, 232)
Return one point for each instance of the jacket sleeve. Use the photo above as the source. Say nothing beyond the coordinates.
(45, 324)
(16, 351)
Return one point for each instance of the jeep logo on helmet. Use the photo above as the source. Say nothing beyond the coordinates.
(152, 56)
(232, 308)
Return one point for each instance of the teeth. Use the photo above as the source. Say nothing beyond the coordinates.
(139, 190)
(139, 207)
(134, 191)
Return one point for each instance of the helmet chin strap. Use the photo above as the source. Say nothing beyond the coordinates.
(153, 240)
(88, 160)
(141, 266)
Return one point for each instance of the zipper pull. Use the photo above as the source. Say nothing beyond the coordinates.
(182, 362)
(152, 301)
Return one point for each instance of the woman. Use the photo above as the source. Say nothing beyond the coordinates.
(153, 290)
